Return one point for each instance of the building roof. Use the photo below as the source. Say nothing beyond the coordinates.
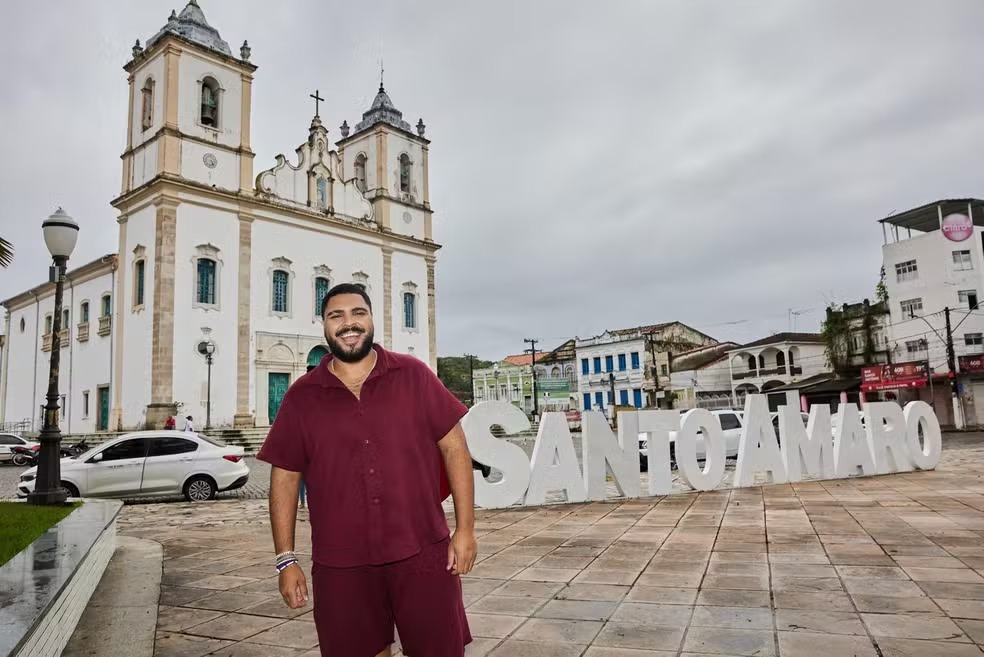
(382, 111)
(107, 262)
(191, 25)
(779, 338)
(701, 357)
(522, 359)
(651, 328)
(926, 218)
(820, 384)
(565, 351)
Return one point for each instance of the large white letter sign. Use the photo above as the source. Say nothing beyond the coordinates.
(554, 463)
(757, 447)
(700, 421)
(927, 455)
(887, 434)
(852, 453)
(657, 425)
(809, 449)
(600, 447)
(507, 457)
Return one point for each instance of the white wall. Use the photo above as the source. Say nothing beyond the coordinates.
(153, 68)
(137, 341)
(938, 285)
(225, 175)
(409, 268)
(144, 164)
(83, 365)
(192, 71)
(629, 380)
(197, 226)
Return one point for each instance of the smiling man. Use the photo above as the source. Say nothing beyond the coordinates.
(372, 433)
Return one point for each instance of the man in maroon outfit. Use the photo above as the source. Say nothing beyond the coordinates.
(374, 434)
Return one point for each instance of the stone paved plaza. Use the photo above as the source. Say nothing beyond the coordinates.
(887, 566)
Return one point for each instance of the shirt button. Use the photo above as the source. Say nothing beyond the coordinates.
(375, 500)
(372, 470)
(367, 441)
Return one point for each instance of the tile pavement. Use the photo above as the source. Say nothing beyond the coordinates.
(890, 566)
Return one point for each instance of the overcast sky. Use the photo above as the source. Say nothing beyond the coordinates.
(593, 165)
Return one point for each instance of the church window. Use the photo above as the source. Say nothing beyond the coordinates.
(410, 306)
(147, 104)
(47, 324)
(320, 291)
(106, 306)
(138, 282)
(206, 281)
(210, 103)
(281, 291)
(360, 172)
(84, 312)
(405, 173)
(322, 185)
(23, 325)
(409, 310)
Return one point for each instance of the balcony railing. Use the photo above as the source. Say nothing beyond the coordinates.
(65, 335)
(83, 332)
(46, 342)
(795, 370)
(105, 324)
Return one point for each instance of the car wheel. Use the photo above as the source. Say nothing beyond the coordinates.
(199, 489)
(72, 490)
(643, 463)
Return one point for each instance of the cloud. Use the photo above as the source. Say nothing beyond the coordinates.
(593, 166)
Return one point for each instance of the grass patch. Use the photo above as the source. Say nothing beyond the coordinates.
(21, 523)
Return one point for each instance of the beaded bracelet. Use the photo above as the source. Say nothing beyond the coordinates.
(281, 567)
(285, 559)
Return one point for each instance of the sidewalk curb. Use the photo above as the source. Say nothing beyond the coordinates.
(121, 617)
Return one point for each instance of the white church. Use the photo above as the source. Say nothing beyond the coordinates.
(209, 251)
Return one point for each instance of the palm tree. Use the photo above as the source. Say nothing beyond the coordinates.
(6, 252)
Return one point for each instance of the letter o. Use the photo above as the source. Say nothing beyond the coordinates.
(927, 455)
(694, 421)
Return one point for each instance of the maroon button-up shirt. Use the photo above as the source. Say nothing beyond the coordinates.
(372, 466)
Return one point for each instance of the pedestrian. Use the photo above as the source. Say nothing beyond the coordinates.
(189, 426)
(302, 493)
(376, 437)
(170, 423)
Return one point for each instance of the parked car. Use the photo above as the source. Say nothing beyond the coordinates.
(731, 423)
(8, 440)
(151, 464)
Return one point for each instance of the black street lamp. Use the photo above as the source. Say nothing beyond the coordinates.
(207, 348)
(61, 232)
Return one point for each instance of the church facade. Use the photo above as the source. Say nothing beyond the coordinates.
(210, 251)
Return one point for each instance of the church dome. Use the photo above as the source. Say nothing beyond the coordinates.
(382, 111)
(191, 25)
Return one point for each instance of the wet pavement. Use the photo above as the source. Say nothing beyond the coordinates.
(890, 566)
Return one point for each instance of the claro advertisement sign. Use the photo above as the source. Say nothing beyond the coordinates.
(957, 227)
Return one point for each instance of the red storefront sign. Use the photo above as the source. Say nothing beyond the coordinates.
(971, 364)
(894, 377)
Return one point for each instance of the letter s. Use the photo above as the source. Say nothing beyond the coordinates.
(507, 457)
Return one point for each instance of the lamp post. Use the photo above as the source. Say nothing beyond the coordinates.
(61, 233)
(207, 348)
(495, 372)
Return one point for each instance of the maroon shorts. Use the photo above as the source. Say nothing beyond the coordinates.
(355, 609)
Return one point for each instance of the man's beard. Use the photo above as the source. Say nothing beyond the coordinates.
(347, 354)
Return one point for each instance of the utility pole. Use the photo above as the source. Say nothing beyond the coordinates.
(952, 363)
(532, 352)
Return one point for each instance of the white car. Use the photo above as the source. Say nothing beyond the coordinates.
(8, 440)
(731, 423)
(151, 464)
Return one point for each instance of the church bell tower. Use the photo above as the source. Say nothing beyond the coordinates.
(189, 112)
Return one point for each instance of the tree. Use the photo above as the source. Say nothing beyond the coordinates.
(881, 291)
(6, 253)
(455, 374)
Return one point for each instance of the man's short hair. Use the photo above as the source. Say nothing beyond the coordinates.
(345, 288)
